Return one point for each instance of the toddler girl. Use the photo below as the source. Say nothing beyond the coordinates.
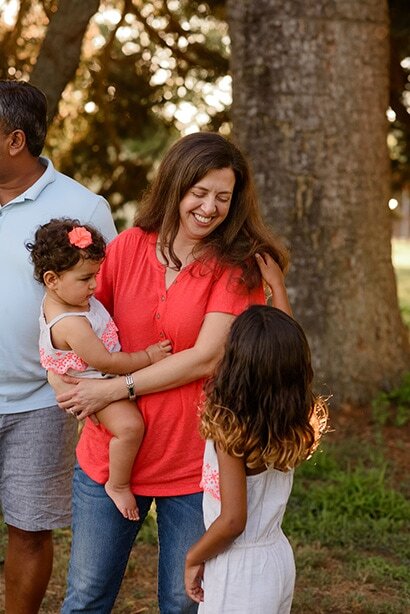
(260, 419)
(78, 337)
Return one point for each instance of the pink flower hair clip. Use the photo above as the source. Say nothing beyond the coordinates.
(80, 237)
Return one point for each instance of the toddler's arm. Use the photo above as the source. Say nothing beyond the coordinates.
(157, 351)
(80, 337)
(273, 276)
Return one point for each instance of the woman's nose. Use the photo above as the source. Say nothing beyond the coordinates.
(208, 204)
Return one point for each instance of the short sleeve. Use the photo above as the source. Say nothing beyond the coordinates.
(120, 255)
(105, 279)
(229, 294)
(102, 219)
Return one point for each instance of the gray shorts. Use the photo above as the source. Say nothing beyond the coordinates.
(37, 452)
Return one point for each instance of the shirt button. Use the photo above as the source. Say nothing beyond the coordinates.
(158, 316)
(163, 297)
(161, 335)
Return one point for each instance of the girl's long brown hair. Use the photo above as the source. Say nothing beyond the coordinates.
(242, 234)
(260, 404)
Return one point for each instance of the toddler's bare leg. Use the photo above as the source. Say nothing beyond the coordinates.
(125, 423)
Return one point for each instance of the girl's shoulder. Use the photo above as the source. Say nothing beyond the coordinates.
(49, 316)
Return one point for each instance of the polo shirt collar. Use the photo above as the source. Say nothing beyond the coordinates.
(34, 191)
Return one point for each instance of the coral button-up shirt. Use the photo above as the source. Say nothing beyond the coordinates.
(132, 288)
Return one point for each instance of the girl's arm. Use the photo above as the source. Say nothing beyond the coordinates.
(273, 276)
(230, 523)
(89, 396)
(78, 334)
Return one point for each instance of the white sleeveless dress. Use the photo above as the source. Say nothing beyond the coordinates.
(256, 574)
(67, 361)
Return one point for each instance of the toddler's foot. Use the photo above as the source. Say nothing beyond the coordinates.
(124, 500)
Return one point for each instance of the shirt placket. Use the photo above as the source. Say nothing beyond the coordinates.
(160, 315)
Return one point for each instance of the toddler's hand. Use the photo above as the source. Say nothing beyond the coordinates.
(159, 350)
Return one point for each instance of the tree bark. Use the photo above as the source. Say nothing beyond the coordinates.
(60, 52)
(310, 93)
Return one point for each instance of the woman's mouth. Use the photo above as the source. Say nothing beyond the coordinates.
(202, 219)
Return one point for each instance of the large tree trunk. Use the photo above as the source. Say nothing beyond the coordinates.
(310, 89)
(60, 52)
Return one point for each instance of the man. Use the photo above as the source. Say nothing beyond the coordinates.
(37, 439)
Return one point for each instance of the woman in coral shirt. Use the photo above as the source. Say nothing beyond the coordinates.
(183, 272)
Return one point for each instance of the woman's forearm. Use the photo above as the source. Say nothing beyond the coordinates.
(88, 396)
(176, 370)
(191, 364)
(91, 395)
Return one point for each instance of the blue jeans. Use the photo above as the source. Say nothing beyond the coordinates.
(102, 542)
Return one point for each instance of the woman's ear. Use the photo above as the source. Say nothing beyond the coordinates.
(50, 279)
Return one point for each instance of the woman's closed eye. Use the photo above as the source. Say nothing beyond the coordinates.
(223, 198)
(198, 194)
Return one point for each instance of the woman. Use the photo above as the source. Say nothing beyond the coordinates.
(183, 272)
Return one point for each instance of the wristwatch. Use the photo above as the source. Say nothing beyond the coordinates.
(129, 381)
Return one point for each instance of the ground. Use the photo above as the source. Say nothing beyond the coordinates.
(325, 581)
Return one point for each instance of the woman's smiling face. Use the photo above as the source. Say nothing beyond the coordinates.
(206, 204)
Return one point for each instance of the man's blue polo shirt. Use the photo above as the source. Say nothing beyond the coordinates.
(23, 385)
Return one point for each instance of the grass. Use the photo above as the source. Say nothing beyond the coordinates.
(365, 507)
(348, 523)
(394, 406)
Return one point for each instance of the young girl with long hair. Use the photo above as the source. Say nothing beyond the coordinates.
(78, 337)
(260, 419)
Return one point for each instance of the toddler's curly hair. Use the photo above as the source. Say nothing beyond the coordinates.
(260, 404)
(52, 250)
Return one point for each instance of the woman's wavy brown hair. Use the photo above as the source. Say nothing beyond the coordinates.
(260, 404)
(242, 234)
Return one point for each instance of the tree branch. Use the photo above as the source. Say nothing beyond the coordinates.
(61, 49)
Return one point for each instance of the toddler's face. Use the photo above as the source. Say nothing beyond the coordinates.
(75, 286)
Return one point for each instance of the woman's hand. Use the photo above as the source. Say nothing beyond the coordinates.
(193, 581)
(84, 397)
(272, 275)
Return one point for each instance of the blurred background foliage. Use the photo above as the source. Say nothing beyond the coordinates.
(399, 117)
(148, 72)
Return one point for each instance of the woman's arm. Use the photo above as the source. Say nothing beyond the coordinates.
(273, 276)
(230, 523)
(89, 396)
